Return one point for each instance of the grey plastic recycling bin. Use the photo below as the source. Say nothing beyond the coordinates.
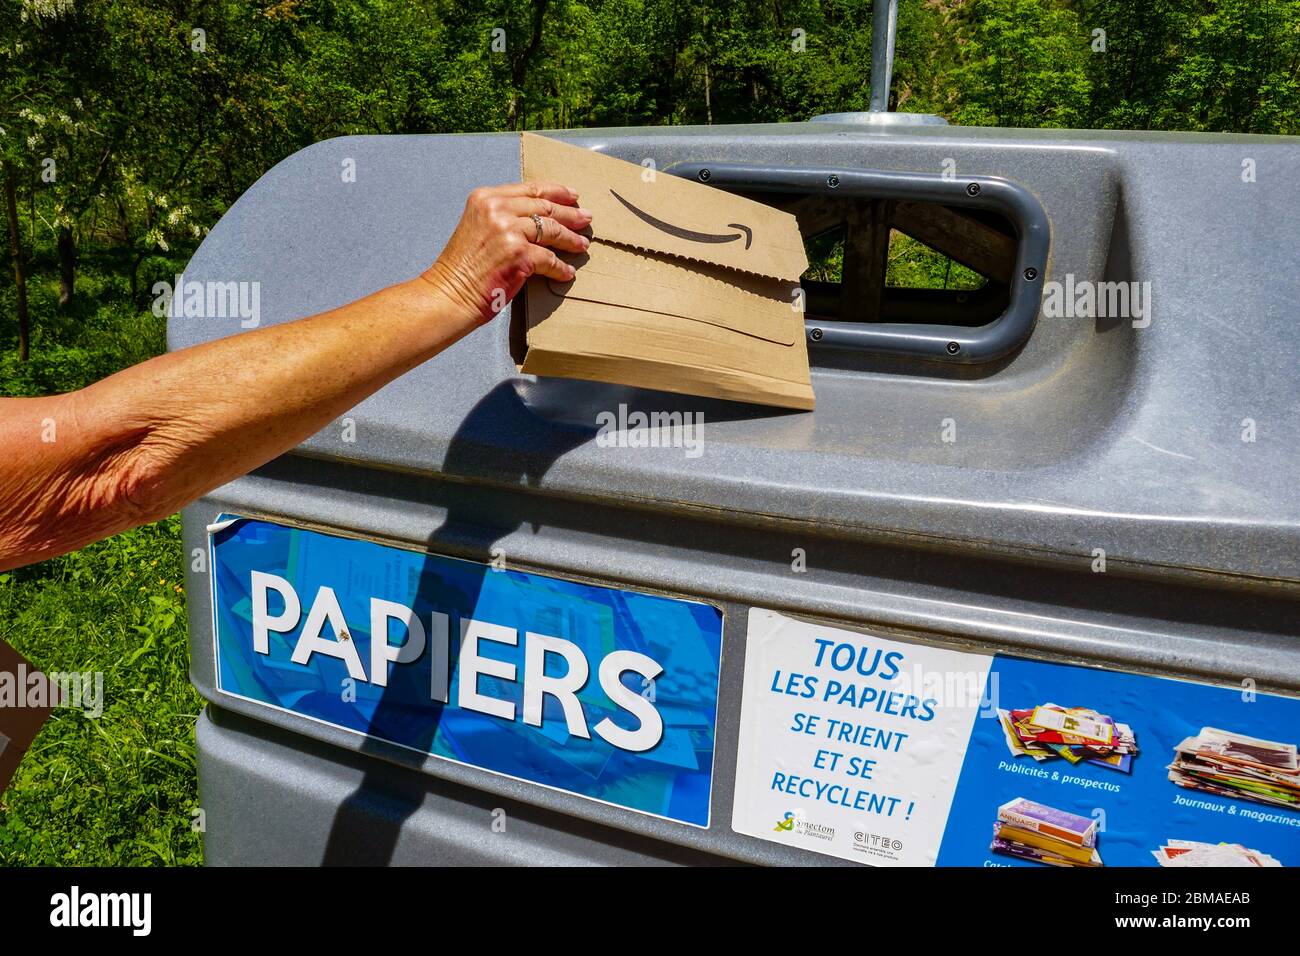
(1166, 447)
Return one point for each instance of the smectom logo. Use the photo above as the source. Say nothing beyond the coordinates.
(786, 823)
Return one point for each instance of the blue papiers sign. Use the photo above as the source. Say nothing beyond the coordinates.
(606, 693)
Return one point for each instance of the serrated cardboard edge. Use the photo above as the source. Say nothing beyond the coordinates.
(771, 317)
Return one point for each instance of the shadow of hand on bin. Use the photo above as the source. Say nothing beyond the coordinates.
(512, 436)
(503, 439)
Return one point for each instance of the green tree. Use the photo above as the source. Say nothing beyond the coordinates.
(1020, 63)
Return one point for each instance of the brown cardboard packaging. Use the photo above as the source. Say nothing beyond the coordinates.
(20, 718)
(684, 288)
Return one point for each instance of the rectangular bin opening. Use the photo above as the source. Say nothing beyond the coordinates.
(911, 264)
(893, 261)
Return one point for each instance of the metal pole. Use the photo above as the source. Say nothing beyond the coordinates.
(884, 24)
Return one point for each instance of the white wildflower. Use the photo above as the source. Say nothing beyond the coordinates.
(46, 9)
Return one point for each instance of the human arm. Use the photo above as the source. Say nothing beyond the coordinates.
(142, 443)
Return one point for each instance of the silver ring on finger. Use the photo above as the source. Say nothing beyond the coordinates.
(537, 221)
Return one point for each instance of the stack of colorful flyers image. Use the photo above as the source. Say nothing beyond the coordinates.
(1230, 764)
(1192, 853)
(1032, 831)
(1076, 734)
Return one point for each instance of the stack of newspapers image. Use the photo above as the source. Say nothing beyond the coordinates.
(1230, 764)
(1042, 834)
(1077, 734)
(1194, 853)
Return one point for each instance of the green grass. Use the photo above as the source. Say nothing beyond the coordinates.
(118, 789)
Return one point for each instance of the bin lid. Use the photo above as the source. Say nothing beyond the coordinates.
(1167, 440)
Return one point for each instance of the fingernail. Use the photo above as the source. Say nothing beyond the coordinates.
(572, 192)
(572, 272)
(584, 214)
(585, 242)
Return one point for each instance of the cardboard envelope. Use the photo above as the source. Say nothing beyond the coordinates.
(21, 718)
(685, 288)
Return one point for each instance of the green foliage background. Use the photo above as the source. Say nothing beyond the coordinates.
(158, 115)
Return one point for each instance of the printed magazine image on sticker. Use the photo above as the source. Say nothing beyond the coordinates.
(596, 433)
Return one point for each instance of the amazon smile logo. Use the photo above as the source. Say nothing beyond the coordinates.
(689, 234)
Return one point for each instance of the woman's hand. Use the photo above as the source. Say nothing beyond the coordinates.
(496, 246)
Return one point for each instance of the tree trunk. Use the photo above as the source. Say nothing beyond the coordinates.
(708, 95)
(519, 65)
(67, 266)
(708, 79)
(16, 252)
(135, 276)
